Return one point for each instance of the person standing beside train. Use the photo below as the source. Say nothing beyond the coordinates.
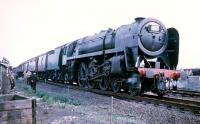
(33, 81)
(11, 77)
(24, 77)
(28, 74)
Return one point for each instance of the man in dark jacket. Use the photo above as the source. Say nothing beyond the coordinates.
(12, 79)
(33, 80)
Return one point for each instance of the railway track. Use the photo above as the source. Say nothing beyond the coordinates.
(170, 102)
(185, 93)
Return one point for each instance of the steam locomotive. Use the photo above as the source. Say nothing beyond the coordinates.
(138, 57)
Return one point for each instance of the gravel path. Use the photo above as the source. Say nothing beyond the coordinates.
(97, 109)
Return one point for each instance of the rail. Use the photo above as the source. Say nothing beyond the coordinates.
(182, 104)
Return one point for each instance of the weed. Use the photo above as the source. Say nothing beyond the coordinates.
(49, 97)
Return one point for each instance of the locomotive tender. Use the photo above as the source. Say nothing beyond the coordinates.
(138, 57)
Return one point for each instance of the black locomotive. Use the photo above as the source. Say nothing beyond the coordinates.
(138, 57)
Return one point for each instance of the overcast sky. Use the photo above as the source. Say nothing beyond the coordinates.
(31, 27)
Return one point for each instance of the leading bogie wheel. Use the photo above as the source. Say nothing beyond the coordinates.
(134, 91)
(161, 86)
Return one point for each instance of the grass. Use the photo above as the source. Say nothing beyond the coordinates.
(50, 98)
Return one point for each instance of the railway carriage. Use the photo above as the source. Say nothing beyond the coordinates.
(50, 65)
(41, 66)
(31, 65)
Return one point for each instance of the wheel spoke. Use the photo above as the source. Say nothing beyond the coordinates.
(92, 70)
(82, 78)
(91, 84)
(104, 83)
(116, 87)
